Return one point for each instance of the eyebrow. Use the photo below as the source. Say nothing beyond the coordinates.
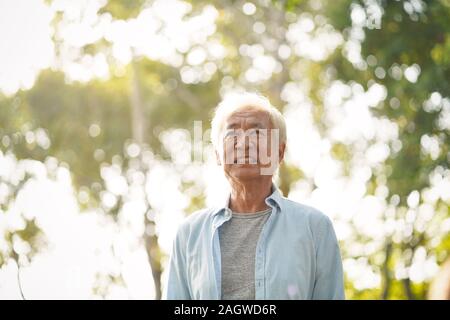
(257, 125)
(254, 124)
(232, 125)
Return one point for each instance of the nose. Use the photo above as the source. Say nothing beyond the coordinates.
(243, 143)
(240, 141)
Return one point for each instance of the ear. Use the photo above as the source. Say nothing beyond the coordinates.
(219, 162)
(281, 151)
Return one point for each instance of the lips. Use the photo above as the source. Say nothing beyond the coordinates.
(246, 160)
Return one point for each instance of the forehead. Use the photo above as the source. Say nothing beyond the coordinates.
(250, 116)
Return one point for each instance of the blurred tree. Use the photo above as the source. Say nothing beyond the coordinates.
(293, 51)
(100, 121)
(404, 47)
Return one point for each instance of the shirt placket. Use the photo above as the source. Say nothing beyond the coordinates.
(215, 245)
(260, 283)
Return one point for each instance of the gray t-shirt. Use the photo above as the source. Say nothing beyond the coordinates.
(238, 238)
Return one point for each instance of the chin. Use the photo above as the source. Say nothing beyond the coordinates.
(245, 171)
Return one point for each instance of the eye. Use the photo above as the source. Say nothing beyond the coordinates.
(230, 134)
(253, 132)
(257, 132)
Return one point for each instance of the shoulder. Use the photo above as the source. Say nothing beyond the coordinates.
(317, 221)
(196, 221)
(298, 209)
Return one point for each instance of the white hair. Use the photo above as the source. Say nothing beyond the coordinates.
(237, 101)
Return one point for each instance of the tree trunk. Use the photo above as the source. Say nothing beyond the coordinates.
(137, 108)
(386, 272)
(138, 125)
(154, 255)
(408, 290)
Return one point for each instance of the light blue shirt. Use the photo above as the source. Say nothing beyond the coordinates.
(297, 254)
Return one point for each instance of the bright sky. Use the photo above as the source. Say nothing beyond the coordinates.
(25, 45)
(80, 242)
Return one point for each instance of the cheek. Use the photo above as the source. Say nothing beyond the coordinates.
(228, 153)
(264, 146)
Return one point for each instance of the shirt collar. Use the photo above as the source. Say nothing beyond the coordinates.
(274, 200)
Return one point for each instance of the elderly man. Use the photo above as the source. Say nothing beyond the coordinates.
(257, 244)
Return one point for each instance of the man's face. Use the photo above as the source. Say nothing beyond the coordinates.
(250, 145)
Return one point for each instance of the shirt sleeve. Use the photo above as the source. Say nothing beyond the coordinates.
(329, 279)
(177, 281)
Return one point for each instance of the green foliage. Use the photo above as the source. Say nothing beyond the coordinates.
(405, 39)
(26, 239)
(123, 9)
(89, 125)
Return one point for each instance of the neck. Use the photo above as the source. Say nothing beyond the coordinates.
(249, 196)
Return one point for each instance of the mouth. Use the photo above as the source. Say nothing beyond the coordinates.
(245, 160)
